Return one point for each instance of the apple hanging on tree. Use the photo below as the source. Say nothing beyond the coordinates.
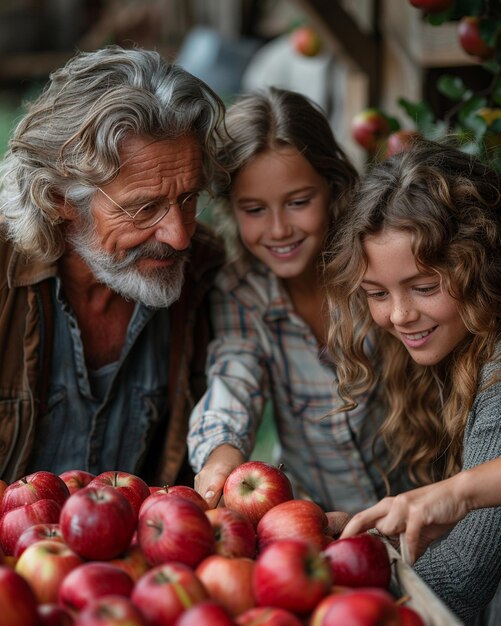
(471, 40)
(432, 6)
(369, 128)
(306, 41)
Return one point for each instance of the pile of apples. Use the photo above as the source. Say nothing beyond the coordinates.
(109, 550)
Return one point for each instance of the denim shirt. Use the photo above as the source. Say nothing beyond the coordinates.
(110, 429)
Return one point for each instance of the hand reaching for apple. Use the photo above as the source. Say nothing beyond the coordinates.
(422, 514)
(210, 480)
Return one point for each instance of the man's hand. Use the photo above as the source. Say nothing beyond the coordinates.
(210, 480)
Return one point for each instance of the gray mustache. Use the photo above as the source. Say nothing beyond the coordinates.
(153, 250)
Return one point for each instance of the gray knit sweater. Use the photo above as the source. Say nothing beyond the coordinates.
(464, 569)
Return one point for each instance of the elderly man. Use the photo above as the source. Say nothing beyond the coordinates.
(104, 268)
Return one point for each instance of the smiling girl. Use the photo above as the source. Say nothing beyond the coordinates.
(418, 264)
(288, 184)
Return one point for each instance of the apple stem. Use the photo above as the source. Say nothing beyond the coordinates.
(403, 600)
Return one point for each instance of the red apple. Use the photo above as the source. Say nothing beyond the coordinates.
(356, 608)
(76, 479)
(432, 6)
(189, 493)
(294, 519)
(401, 141)
(360, 561)
(167, 590)
(44, 565)
(409, 617)
(471, 40)
(206, 613)
(110, 610)
(98, 523)
(268, 616)
(175, 529)
(38, 532)
(182, 491)
(254, 487)
(37, 486)
(233, 532)
(292, 575)
(369, 128)
(129, 485)
(305, 41)
(16, 521)
(93, 580)
(133, 561)
(54, 615)
(18, 603)
(229, 581)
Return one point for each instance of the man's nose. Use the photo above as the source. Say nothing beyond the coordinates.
(173, 230)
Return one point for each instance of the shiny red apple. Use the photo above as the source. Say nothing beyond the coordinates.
(129, 485)
(15, 521)
(40, 485)
(38, 532)
(110, 610)
(206, 613)
(292, 575)
(229, 581)
(76, 479)
(409, 617)
(167, 590)
(53, 614)
(133, 561)
(294, 519)
(175, 529)
(470, 39)
(44, 565)
(234, 534)
(255, 487)
(98, 523)
(357, 608)
(268, 616)
(90, 581)
(369, 128)
(359, 561)
(18, 603)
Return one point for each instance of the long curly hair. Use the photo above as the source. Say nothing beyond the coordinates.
(272, 119)
(68, 142)
(450, 203)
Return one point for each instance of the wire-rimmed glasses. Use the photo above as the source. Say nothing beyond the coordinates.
(192, 205)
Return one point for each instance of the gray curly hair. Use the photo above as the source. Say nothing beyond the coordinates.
(68, 142)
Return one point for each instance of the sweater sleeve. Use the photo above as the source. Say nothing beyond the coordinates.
(464, 568)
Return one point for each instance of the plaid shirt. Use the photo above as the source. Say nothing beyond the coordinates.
(264, 350)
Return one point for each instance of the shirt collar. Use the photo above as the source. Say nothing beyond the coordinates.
(22, 271)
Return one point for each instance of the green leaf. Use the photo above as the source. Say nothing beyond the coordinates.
(467, 7)
(452, 86)
(472, 106)
(419, 112)
(489, 31)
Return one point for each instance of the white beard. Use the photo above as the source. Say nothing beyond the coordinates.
(157, 289)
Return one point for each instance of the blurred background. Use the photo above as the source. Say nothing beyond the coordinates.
(380, 69)
(359, 55)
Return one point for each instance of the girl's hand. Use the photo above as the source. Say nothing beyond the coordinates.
(210, 480)
(423, 515)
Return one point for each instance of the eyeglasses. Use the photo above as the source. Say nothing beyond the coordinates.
(192, 205)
